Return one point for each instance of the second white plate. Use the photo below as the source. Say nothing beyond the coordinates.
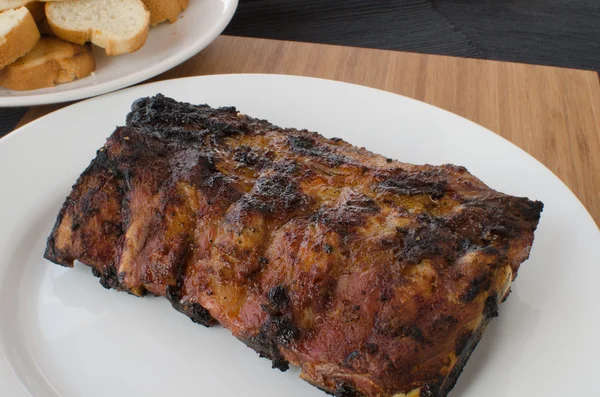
(167, 46)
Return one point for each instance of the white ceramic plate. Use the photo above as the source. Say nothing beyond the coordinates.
(167, 46)
(62, 334)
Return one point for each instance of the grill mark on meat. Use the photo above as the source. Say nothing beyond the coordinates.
(297, 243)
(490, 308)
(351, 210)
(168, 244)
(278, 297)
(275, 194)
(145, 194)
(476, 286)
(306, 146)
(413, 331)
(425, 182)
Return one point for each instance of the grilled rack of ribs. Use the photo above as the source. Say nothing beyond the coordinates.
(374, 276)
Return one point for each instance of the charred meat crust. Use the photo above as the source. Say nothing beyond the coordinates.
(342, 390)
(194, 310)
(366, 272)
(278, 330)
(465, 350)
(265, 343)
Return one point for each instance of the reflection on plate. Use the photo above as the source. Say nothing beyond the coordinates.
(167, 46)
(61, 334)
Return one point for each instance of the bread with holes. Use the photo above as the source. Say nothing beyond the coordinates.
(18, 35)
(36, 8)
(52, 61)
(14, 4)
(162, 10)
(118, 26)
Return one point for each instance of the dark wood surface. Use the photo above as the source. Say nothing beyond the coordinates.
(552, 113)
(550, 32)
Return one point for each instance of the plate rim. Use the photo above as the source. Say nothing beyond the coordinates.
(129, 80)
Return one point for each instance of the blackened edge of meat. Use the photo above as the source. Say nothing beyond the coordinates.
(109, 278)
(52, 253)
(468, 346)
(342, 390)
(194, 311)
(266, 347)
(160, 111)
(346, 390)
(278, 330)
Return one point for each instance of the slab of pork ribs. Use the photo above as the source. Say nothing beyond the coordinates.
(374, 276)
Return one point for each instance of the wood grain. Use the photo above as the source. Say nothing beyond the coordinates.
(552, 113)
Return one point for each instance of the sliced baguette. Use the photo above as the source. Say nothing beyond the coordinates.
(14, 4)
(18, 35)
(161, 10)
(36, 8)
(118, 26)
(52, 61)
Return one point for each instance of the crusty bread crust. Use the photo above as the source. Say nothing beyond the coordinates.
(14, 4)
(162, 10)
(74, 36)
(112, 45)
(56, 62)
(19, 40)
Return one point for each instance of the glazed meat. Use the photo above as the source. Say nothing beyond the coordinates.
(374, 276)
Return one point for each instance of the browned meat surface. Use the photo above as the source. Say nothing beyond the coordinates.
(376, 277)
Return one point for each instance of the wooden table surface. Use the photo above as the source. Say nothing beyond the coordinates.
(552, 113)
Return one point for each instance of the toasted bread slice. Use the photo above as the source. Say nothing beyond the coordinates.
(14, 4)
(162, 10)
(118, 26)
(51, 61)
(36, 8)
(18, 35)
